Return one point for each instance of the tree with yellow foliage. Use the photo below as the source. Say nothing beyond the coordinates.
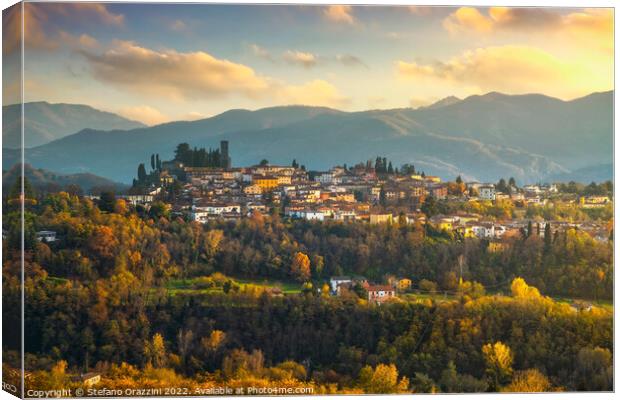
(521, 289)
(214, 341)
(498, 361)
(383, 379)
(300, 266)
(155, 351)
(530, 380)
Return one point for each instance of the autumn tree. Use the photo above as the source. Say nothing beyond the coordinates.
(155, 351)
(382, 379)
(498, 361)
(300, 267)
(521, 289)
(214, 341)
(530, 380)
(103, 244)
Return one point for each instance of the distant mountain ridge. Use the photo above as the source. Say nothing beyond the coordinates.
(44, 179)
(530, 137)
(45, 122)
(446, 101)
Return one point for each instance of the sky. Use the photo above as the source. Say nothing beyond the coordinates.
(160, 62)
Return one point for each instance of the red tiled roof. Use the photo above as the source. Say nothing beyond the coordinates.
(378, 288)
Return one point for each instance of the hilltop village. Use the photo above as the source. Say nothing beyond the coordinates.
(201, 185)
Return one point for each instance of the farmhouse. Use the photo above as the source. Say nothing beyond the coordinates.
(380, 293)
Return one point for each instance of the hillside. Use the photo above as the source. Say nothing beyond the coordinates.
(43, 179)
(530, 137)
(46, 122)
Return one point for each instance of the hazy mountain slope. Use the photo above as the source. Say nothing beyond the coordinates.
(576, 134)
(482, 137)
(596, 173)
(40, 178)
(354, 138)
(101, 152)
(45, 122)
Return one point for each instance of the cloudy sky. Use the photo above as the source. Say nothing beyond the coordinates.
(157, 62)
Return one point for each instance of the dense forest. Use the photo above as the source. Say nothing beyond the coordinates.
(97, 299)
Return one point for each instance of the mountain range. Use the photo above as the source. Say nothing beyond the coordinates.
(45, 122)
(484, 137)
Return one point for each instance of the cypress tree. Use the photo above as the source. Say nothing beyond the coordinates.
(548, 237)
(141, 173)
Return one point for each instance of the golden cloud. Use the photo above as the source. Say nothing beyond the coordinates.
(511, 69)
(304, 59)
(172, 74)
(196, 76)
(339, 14)
(596, 24)
(82, 40)
(145, 114)
(468, 19)
(315, 93)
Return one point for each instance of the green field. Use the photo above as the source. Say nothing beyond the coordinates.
(604, 304)
(189, 286)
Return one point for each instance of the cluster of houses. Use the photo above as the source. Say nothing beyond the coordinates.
(341, 194)
(338, 194)
(528, 194)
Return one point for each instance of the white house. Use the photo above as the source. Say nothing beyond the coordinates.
(336, 281)
(46, 236)
(204, 212)
(345, 215)
(325, 178)
(489, 231)
(313, 215)
(487, 192)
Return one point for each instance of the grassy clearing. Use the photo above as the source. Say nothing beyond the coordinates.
(421, 297)
(604, 304)
(189, 286)
(56, 280)
(286, 287)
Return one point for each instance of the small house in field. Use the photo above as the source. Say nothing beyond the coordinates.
(89, 379)
(46, 236)
(380, 293)
(338, 282)
(403, 284)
